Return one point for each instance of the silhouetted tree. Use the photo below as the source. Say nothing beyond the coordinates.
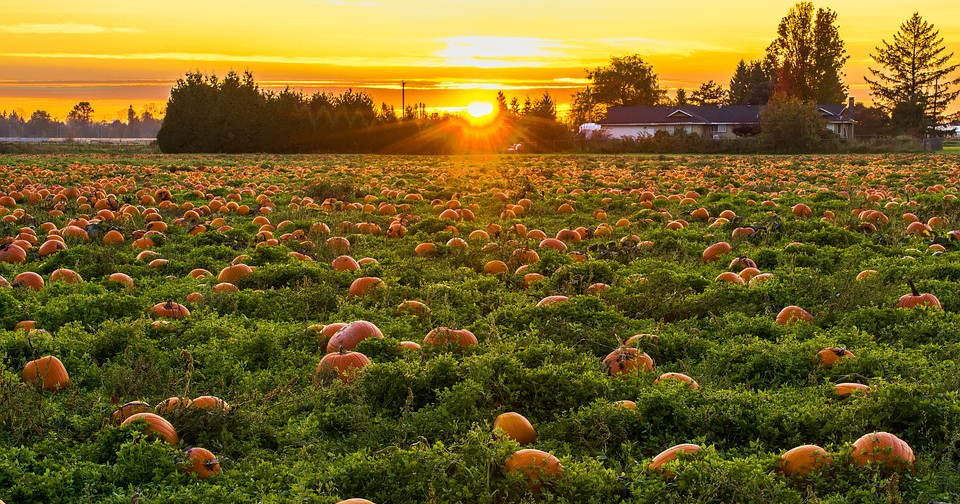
(681, 98)
(914, 83)
(809, 55)
(628, 81)
(709, 93)
(752, 83)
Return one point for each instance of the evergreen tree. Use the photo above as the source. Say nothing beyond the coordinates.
(709, 93)
(681, 98)
(752, 83)
(914, 83)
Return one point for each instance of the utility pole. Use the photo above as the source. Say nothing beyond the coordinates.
(403, 99)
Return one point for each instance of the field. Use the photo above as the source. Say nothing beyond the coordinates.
(481, 244)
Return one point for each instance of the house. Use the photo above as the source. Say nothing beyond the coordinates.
(716, 121)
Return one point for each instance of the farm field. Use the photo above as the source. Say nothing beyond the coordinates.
(489, 285)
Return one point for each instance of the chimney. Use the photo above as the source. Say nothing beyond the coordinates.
(850, 107)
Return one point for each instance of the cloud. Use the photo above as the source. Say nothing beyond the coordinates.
(344, 3)
(65, 28)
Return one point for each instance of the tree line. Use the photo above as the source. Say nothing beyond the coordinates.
(206, 113)
(910, 80)
(80, 123)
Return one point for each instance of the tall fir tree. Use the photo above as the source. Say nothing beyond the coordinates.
(914, 83)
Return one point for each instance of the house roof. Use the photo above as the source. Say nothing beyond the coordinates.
(708, 114)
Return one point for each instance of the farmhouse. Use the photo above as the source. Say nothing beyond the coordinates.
(716, 121)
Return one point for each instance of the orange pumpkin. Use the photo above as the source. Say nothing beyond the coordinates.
(883, 449)
(234, 273)
(366, 285)
(514, 426)
(713, 252)
(156, 425)
(792, 314)
(48, 371)
(170, 310)
(538, 467)
(803, 460)
(202, 462)
(342, 364)
(345, 263)
(845, 389)
(29, 280)
(130, 409)
(443, 336)
(661, 461)
(915, 299)
(624, 361)
(829, 356)
(350, 335)
(678, 377)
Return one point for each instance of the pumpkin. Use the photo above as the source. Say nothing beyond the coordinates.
(916, 299)
(209, 402)
(170, 310)
(355, 501)
(156, 425)
(883, 449)
(12, 253)
(443, 336)
(65, 275)
(661, 461)
(121, 278)
(29, 280)
(550, 300)
(866, 274)
(803, 460)
(713, 252)
(129, 409)
(792, 314)
(202, 462)
(845, 389)
(409, 346)
(342, 364)
(514, 426)
(626, 404)
(415, 308)
(49, 371)
(171, 404)
(624, 361)
(234, 273)
(350, 335)
(345, 263)
(730, 277)
(829, 356)
(537, 467)
(678, 377)
(495, 267)
(366, 285)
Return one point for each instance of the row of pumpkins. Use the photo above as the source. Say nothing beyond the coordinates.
(879, 448)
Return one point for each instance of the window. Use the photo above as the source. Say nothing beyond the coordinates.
(718, 128)
(688, 129)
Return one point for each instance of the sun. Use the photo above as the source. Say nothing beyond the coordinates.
(479, 113)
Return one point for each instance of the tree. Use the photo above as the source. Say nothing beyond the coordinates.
(914, 83)
(40, 124)
(809, 55)
(627, 82)
(788, 124)
(871, 121)
(752, 83)
(709, 93)
(81, 115)
(681, 99)
(501, 101)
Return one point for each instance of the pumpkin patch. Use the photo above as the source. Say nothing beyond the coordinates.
(479, 329)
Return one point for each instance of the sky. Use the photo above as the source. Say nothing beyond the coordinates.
(117, 53)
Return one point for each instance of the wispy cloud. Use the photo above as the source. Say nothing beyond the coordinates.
(344, 3)
(66, 28)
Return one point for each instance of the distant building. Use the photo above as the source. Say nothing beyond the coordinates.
(714, 121)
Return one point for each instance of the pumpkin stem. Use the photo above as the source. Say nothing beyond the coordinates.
(341, 350)
(912, 287)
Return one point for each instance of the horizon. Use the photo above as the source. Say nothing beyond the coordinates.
(114, 55)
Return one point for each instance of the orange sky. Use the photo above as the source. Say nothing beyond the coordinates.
(115, 53)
